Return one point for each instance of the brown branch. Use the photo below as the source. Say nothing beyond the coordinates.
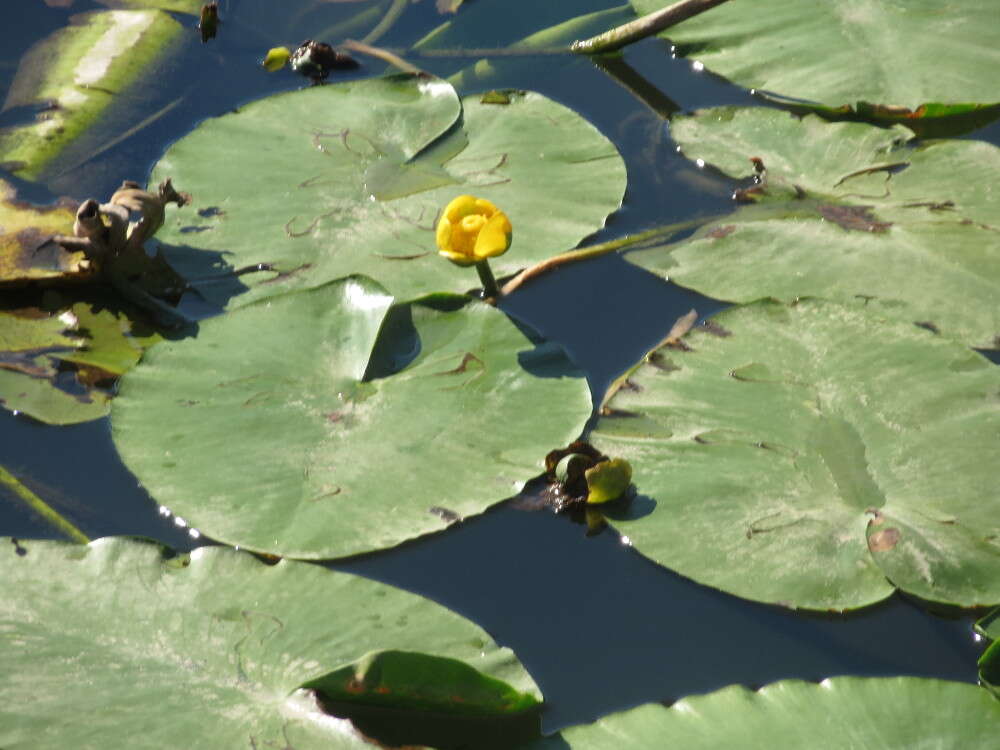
(648, 25)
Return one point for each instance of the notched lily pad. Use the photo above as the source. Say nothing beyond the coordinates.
(800, 715)
(383, 417)
(871, 58)
(845, 211)
(351, 177)
(170, 641)
(875, 475)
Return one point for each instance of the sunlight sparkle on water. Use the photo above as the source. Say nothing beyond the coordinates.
(697, 66)
(626, 541)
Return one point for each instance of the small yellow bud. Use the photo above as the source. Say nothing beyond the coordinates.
(276, 58)
(608, 480)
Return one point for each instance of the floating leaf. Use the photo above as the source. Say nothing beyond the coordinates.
(847, 211)
(331, 462)
(212, 649)
(351, 177)
(77, 73)
(817, 456)
(55, 367)
(922, 58)
(989, 662)
(896, 713)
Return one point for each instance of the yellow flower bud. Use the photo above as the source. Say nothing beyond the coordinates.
(276, 58)
(608, 480)
(471, 230)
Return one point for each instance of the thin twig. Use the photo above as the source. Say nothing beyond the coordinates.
(381, 54)
(594, 251)
(648, 25)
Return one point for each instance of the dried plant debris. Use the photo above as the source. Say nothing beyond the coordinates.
(102, 242)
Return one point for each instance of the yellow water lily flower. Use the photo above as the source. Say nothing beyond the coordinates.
(471, 230)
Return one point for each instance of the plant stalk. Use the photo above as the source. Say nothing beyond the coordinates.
(604, 248)
(42, 508)
(653, 23)
(490, 288)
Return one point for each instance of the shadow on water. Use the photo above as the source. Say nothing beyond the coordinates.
(602, 628)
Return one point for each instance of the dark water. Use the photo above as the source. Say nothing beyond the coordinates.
(598, 626)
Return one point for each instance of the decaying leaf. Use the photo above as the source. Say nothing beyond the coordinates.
(28, 252)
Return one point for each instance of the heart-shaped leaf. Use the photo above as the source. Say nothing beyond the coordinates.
(814, 455)
(114, 644)
(338, 455)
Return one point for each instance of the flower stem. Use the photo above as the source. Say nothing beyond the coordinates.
(657, 233)
(490, 288)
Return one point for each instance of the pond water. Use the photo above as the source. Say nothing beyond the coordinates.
(599, 627)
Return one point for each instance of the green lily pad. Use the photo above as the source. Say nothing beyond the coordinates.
(351, 177)
(848, 211)
(816, 456)
(213, 649)
(989, 662)
(922, 58)
(56, 366)
(78, 73)
(31, 346)
(896, 713)
(337, 455)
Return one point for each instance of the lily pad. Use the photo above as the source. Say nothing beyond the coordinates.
(76, 74)
(57, 366)
(896, 713)
(815, 456)
(847, 211)
(351, 177)
(989, 662)
(922, 58)
(336, 454)
(27, 251)
(213, 649)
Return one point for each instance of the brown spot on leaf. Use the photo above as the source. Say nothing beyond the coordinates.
(932, 205)
(884, 539)
(710, 326)
(853, 218)
(719, 232)
(446, 515)
(402, 257)
(469, 359)
(607, 411)
(664, 364)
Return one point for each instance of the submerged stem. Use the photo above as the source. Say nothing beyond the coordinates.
(42, 508)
